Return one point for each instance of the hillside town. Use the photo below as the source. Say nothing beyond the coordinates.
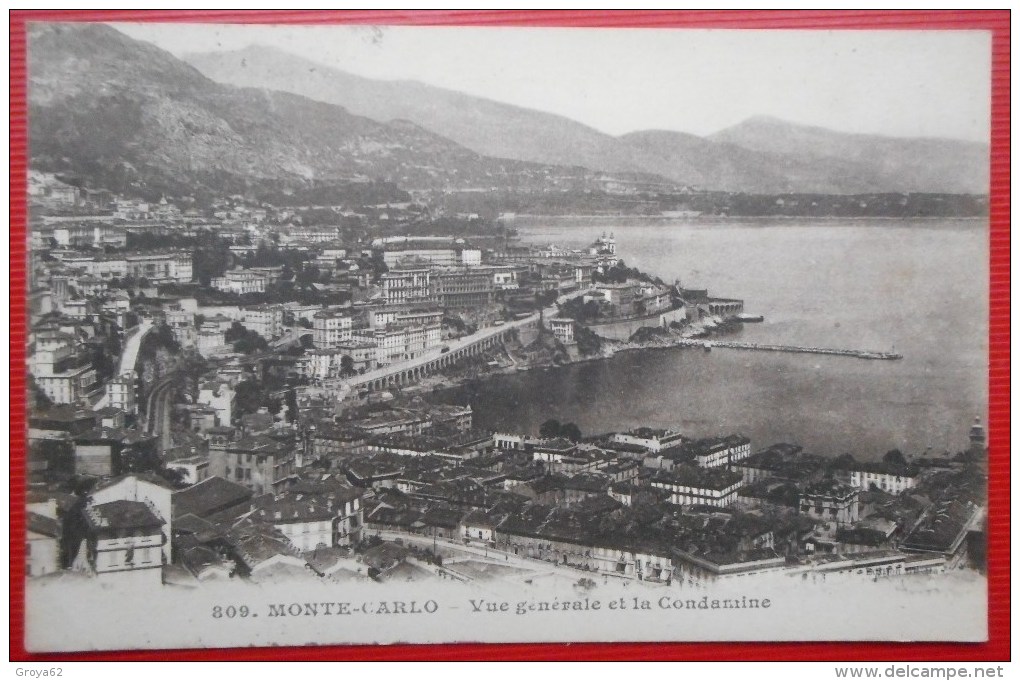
(246, 391)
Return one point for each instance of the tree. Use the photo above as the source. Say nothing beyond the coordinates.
(175, 476)
(894, 457)
(550, 428)
(347, 365)
(140, 459)
(235, 332)
(570, 431)
(843, 462)
(309, 274)
(42, 400)
(210, 260)
(165, 336)
(546, 298)
(249, 397)
(588, 342)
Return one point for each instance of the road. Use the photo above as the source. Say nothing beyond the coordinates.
(128, 356)
(160, 410)
(490, 555)
(458, 344)
(290, 336)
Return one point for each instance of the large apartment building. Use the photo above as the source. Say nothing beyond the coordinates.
(463, 288)
(397, 343)
(330, 328)
(407, 286)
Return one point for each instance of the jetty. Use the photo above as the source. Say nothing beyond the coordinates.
(735, 345)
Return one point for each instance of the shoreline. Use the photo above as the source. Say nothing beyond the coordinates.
(433, 384)
(530, 219)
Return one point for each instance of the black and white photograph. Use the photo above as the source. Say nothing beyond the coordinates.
(353, 334)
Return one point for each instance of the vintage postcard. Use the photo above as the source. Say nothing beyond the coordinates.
(381, 334)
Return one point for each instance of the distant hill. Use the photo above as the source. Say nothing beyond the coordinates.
(901, 164)
(485, 126)
(761, 155)
(126, 114)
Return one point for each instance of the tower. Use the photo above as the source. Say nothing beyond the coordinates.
(977, 435)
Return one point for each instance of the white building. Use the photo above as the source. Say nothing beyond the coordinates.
(193, 469)
(265, 320)
(383, 316)
(652, 439)
(439, 257)
(125, 540)
(42, 544)
(699, 486)
(504, 277)
(120, 391)
(562, 329)
(182, 324)
(397, 343)
(173, 266)
(407, 286)
(209, 340)
(127, 530)
(832, 502)
(142, 487)
(60, 376)
(470, 257)
(312, 520)
(329, 363)
(220, 396)
(330, 329)
(240, 281)
(889, 479)
(721, 451)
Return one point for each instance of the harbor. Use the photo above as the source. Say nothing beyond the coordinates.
(734, 345)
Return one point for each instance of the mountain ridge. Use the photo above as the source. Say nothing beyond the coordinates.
(738, 161)
(129, 114)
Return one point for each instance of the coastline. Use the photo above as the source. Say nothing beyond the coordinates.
(434, 384)
(536, 220)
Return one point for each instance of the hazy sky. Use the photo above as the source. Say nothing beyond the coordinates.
(908, 83)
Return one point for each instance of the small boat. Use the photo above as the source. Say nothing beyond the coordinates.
(750, 318)
(707, 345)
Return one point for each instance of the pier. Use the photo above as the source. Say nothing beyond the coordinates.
(860, 354)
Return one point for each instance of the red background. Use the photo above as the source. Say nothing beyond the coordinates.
(997, 648)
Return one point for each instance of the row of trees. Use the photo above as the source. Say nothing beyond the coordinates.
(245, 340)
(620, 273)
(553, 428)
(580, 311)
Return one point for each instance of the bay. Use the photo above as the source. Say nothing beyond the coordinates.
(917, 287)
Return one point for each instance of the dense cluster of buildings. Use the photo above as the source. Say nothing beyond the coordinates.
(146, 472)
(261, 500)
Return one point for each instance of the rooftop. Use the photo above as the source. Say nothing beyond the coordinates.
(209, 496)
(122, 515)
(43, 525)
(703, 478)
